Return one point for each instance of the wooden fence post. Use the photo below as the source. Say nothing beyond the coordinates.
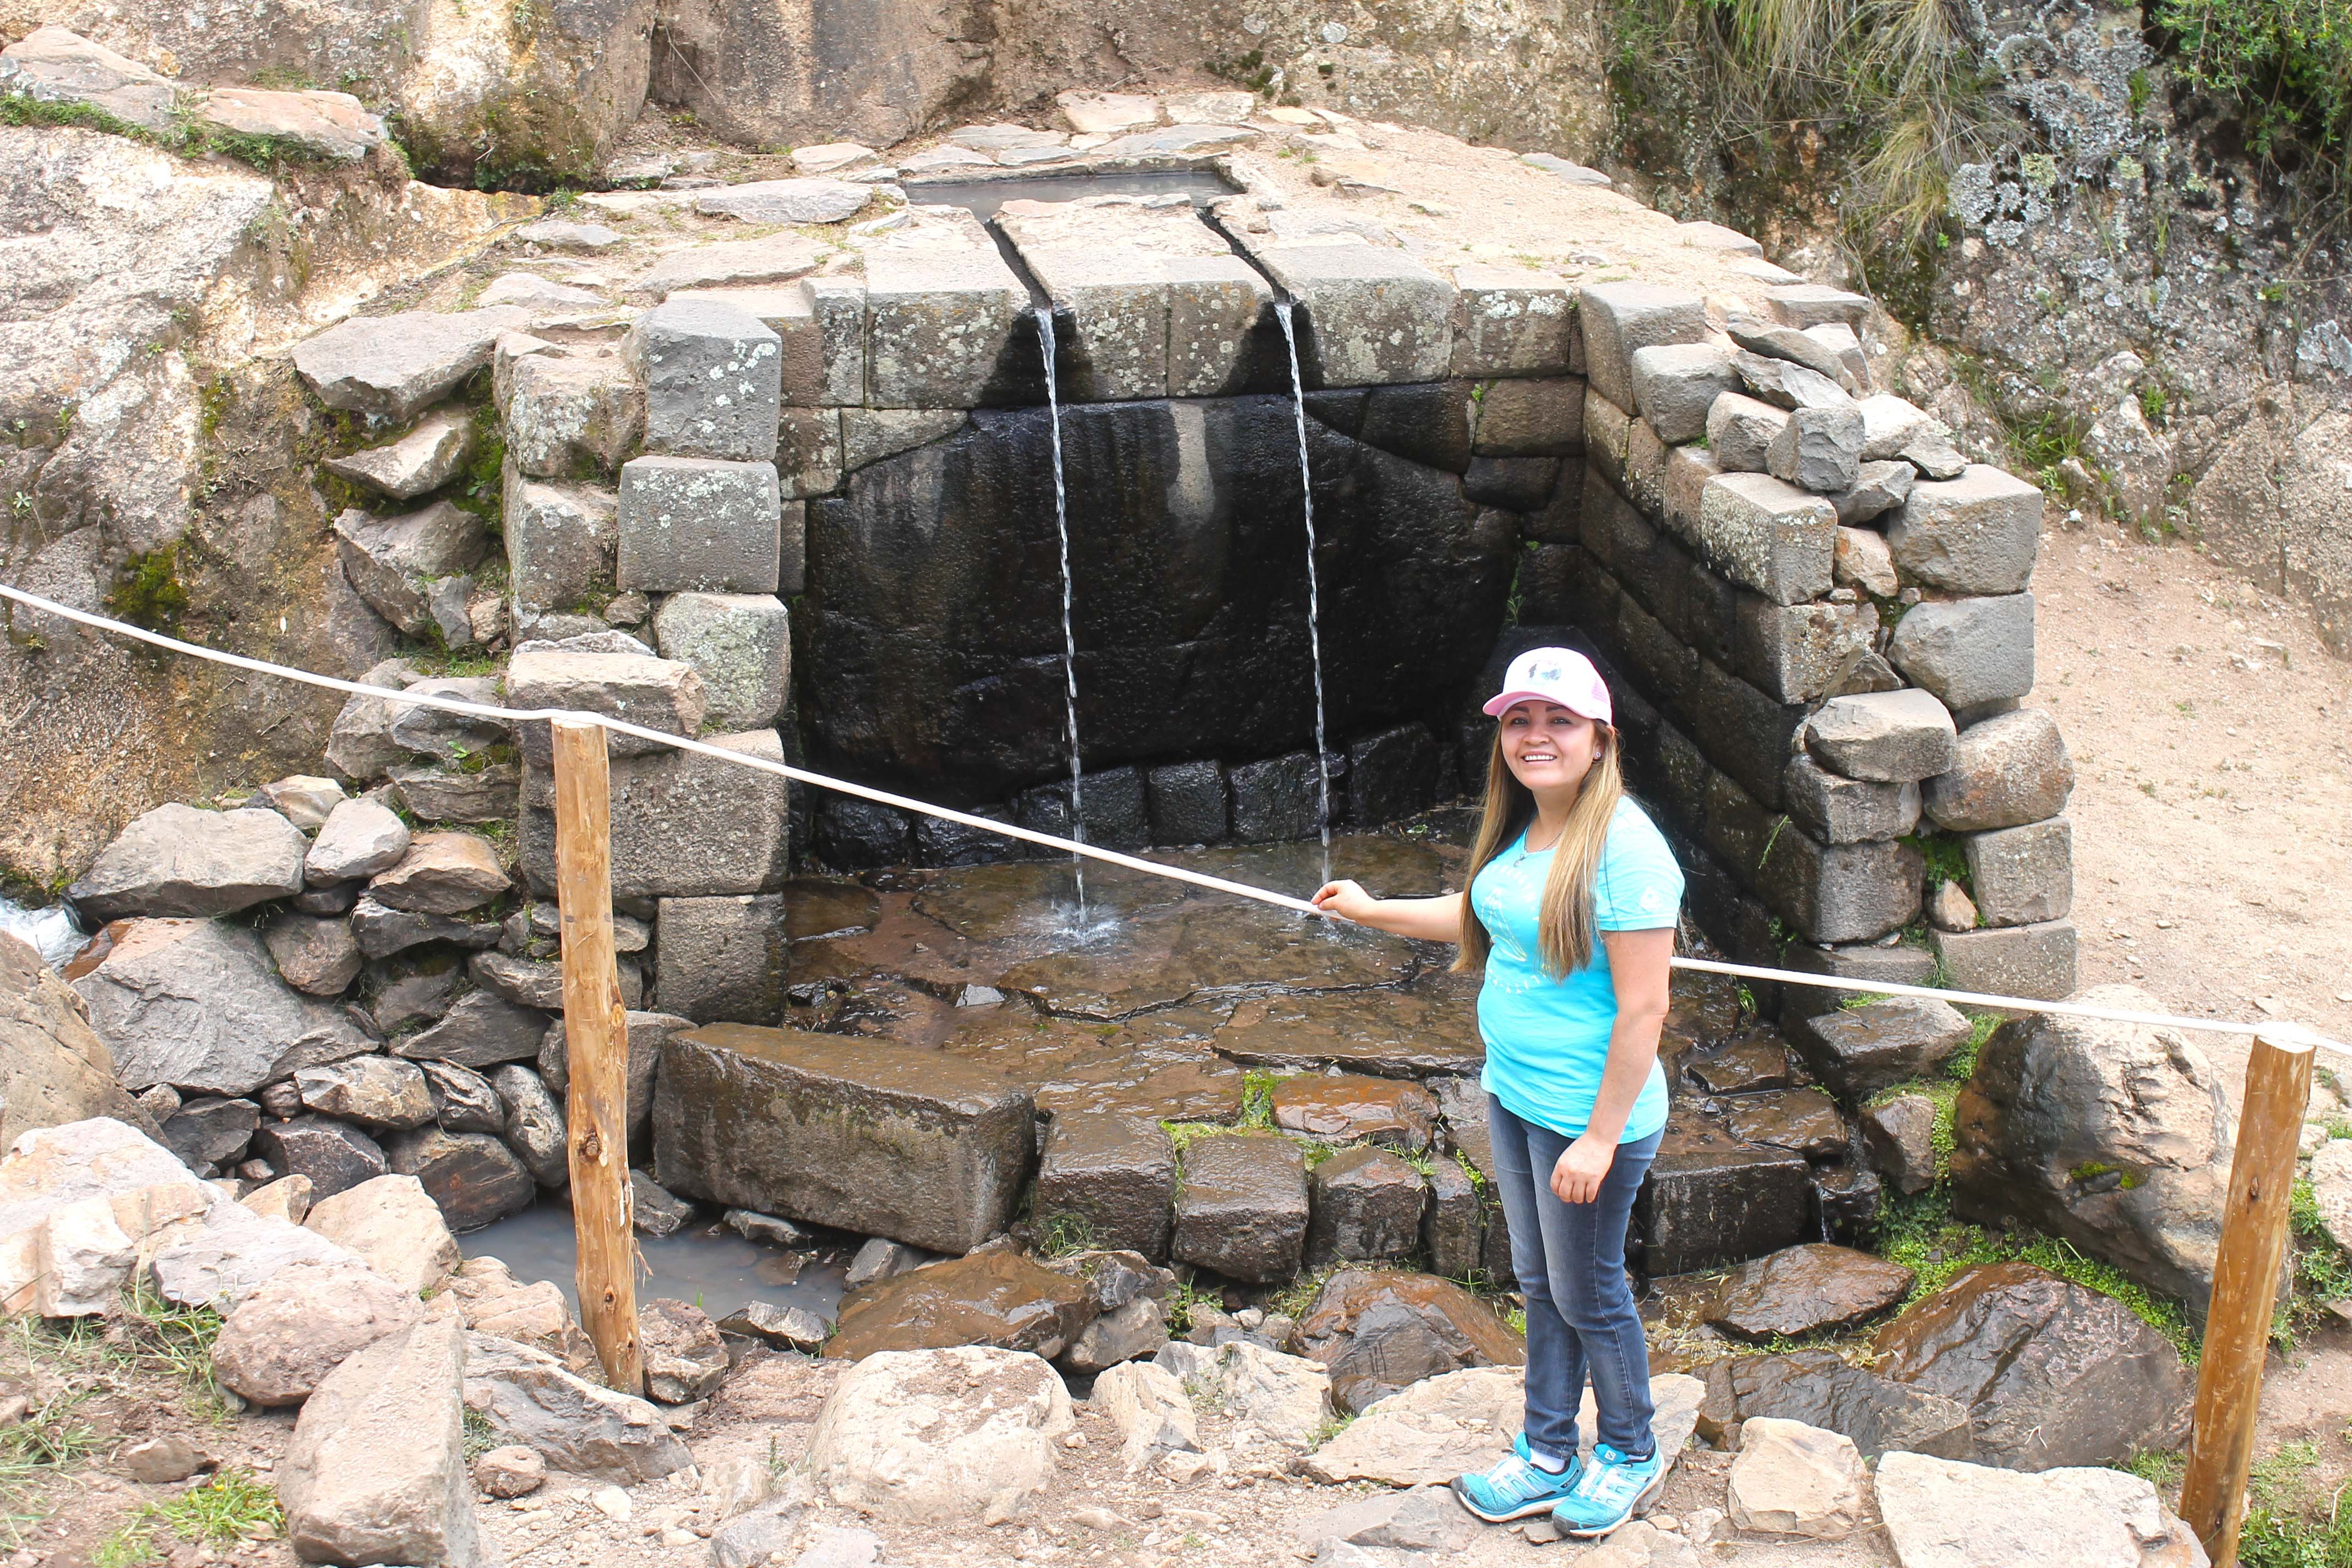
(2245, 1290)
(596, 1031)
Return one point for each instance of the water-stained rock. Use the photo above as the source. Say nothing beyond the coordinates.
(2052, 1373)
(1804, 1120)
(1206, 946)
(1112, 1176)
(871, 1137)
(1364, 1205)
(1241, 1205)
(1380, 1332)
(1346, 1107)
(1388, 1032)
(1801, 1290)
(2114, 1136)
(995, 1298)
(1859, 1050)
(1820, 1389)
(473, 1176)
(1711, 1199)
(1755, 1061)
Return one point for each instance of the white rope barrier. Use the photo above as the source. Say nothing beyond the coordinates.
(2279, 1029)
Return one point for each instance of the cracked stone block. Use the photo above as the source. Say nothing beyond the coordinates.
(394, 367)
(2035, 961)
(1889, 737)
(392, 561)
(1975, 534)
(722, 960)
(425, 459)
(870, 435)
(1817, 449)
(698, 525)
(1769, 536)
(1370, 316)
(1856, 891)
(1676, 386)
(566, 415)
(1877, 489)
(1840, 810)
(1799, 652)
(1969, 652)
(1803, 305)
(712, 372)
(684, 825)
(741, 644)
(2022, 875)
(1156, 303)
(1619, 319)
(2006, 771)
(658, 693)
(1512, 321)
(939, 319)
(808, 452)
(1529, 418)
(1740, 430)
(559, 540)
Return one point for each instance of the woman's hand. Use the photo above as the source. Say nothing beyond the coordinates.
(1583, 1166)
(1347, 899)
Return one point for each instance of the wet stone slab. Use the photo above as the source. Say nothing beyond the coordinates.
(1205, 948)
(1390, 1034)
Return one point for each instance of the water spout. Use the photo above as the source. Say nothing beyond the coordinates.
(1045, 315)
(1313, 597)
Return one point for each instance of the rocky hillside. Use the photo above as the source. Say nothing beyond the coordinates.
(2103, 281)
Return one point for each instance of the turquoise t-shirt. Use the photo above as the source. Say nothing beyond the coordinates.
(1548, 1040)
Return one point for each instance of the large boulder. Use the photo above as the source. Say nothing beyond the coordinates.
(1288, 1397)
(1378, 1333)
(198, 1005)
(375, 1471)
(1241, 1205)
(526, 98)
(493, 1302)
(395, 1227)
(1820, 1389)
(53, 1068)
(178, 861)
(2052, 1373)
(283, 1340)
(1802, 1289)
(924, 1149)
(1942, 1514)
(995, 1298)
(88, 1192)
(939, 1436)
(232, 1253)
(531, 1398)
(2115, 1137)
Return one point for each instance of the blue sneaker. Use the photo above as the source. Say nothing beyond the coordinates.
(1608, 1492)
(1518, 1488)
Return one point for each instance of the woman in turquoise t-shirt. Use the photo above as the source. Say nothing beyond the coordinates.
(1571, 909)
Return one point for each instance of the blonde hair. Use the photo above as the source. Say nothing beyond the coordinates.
(1564, 917)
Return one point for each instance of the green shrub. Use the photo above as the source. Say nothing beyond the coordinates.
(2283, 66)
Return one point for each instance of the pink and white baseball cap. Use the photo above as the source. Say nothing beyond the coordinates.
(1554, 675)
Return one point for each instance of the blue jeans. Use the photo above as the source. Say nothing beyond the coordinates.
(1570, 1261)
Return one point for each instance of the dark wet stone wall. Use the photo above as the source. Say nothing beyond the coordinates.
(930, 637)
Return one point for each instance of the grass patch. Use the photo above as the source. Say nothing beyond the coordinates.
(186, 136)
(481, 1437)
(228, 1510)
(1257, 1098)
(2294, 1519)
(1921, 1233)
(2323, 1272)
(1064, 1235)
(1181, 1302)
(1332, 1428)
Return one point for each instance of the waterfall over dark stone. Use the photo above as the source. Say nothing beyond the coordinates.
(933, 616)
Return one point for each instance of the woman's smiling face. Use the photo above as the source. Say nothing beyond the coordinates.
(1547, 746)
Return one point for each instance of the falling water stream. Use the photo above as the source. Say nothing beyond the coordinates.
(1313, 597)
(1045, 315)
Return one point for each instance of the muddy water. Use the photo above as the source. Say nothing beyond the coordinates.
(705, 1263)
